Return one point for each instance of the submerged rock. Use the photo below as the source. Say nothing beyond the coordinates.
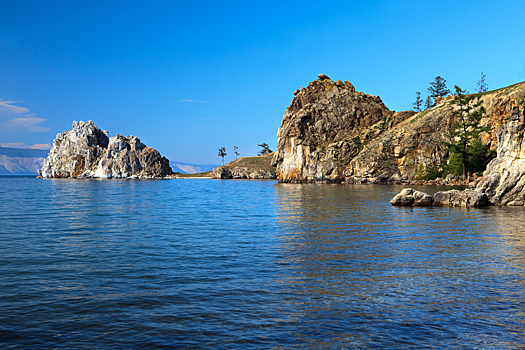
(86, 151)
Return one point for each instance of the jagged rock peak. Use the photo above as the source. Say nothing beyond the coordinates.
(86, 151)
(320, 130)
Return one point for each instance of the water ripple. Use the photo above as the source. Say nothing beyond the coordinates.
(253, 265)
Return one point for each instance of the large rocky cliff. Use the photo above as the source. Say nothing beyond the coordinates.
(320, 131)
(332, 133)
(86, 151)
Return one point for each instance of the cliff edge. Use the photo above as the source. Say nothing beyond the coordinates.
(86, 151)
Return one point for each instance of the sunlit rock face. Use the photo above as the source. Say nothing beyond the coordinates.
(86, 151)
(320, 131)
(504, 179)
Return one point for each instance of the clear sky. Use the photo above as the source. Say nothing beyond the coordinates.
(188, 77)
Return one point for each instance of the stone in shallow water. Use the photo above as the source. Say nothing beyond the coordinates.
(455, 198)
(410, 197)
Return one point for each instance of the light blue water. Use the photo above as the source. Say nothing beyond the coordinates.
(231, 264)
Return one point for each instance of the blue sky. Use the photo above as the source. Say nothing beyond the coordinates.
(189, 77)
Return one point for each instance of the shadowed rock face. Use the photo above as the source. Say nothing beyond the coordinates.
(317, 137)
(87, 151)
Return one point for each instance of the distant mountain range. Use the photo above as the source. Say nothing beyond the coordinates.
(18, 161)
(191, 168)
(25, 161)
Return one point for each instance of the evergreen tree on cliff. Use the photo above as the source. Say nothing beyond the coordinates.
(482, 84)
(465, 133)
(438, 88)
(428, 103)
(418, 103)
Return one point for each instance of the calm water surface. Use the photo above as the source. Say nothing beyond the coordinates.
(231, 264)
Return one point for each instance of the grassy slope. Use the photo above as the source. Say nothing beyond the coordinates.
(254, 163)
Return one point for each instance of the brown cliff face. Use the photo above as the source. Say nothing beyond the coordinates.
(320, 131)
(331, 133)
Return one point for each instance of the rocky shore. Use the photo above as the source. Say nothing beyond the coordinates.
(503, 183)
(86, 151)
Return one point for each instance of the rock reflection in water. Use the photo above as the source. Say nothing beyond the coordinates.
(366, 273)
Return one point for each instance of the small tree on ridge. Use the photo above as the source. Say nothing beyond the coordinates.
(265, 149)
(222, 153)
(482, 84)
(438, 88)
(418, 103)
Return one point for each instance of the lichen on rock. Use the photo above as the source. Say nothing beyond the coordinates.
(86, 151)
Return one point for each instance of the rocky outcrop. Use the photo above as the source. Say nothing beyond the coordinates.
(503, 183)
(320, 131)
(242, 173)
(504, 179)
(456, 198)
(409, 197)
(86, 151)
(452, 198)
(331, 133)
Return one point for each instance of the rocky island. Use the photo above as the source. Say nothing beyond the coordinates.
(86, 151)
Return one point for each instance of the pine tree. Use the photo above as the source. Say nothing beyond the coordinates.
(438, 88)
(222, 153)
(466, 129)
(265, 149)
(418, 103)
(482, 84)
(428, 103)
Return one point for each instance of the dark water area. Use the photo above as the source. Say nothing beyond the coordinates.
(231, 264)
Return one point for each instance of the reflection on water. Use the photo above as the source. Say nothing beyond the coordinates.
(370, 274)
(253, 265)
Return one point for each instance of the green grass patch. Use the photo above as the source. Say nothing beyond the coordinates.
(204, 174)
(257, 163)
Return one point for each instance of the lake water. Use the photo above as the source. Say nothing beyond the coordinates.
(232, 264)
